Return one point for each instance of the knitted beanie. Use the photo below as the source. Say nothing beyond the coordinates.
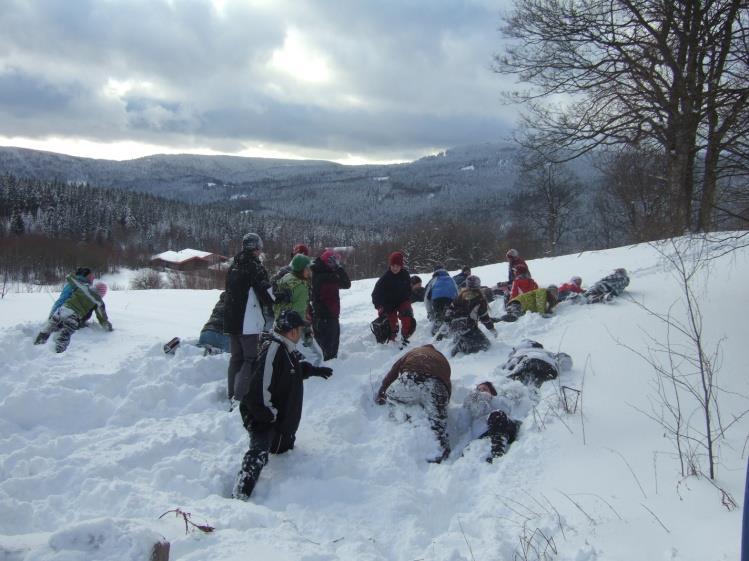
(396, 258)
(299, 262)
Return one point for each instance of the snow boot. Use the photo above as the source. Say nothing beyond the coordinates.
(171, 346)
(502, 432)
(41, 338)
(252, 464)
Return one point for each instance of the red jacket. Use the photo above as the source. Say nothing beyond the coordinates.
(521, 285)
(570, 287)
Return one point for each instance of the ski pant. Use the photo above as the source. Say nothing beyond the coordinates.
(534, 371)
(405, 314)
(440, 306)
(327, 334)
(427, 393)
(264, 439)
(214, 339)
(244, 351)
(513, 310)
(65, 322)
(501, 431)
(469, 341)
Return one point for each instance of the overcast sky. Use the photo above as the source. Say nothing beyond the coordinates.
(344, 80)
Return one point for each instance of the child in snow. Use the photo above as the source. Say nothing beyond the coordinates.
(442, 291)
(489, 419)
(608, 287)
(530, 363)
(417, 290)
(328, 278)
(541, 301)
(286, 269)
(248, 311)
(523, 282)
(464, 315)
(571, 289)
(212, 338)
(513, 260)
(421, 379)
(80, 300)
(272, 408)
(392, 298)
(460, 278)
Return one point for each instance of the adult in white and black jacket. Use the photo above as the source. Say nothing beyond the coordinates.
(272, 408)
(248, 311)
(328, 278)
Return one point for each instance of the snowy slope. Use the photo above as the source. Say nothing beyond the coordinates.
(96, 443)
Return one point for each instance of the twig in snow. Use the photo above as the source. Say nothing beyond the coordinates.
(654, 516)
(188, 522)
(630, 470)
(577, 505)
(465, 538)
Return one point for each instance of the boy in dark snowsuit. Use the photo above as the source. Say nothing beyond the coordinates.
(464, 315)
(608, 287)
(328, 278)
(489, 419)
(421, 378)
(460, 278)
(530, 363)
(248, 311)
(272, 407)
(80, 301)
(392, 297)
(442, 292)
(418, 292)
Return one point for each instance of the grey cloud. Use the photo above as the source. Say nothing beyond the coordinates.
(419, 69)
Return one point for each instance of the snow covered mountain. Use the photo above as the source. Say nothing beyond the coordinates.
(96, 443)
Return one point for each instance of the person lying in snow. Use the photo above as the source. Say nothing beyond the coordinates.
(212, 338)
(608, 287)
(571, 288)
(464, 315)
(531, 364)
(81, 300)
(421, 378)
(272, 407)
(489, 419)
(541, 300)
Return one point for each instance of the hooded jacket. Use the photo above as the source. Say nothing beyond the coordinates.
(533, 301)
(326, 283)
(426, 361)
(443, 286)
(472, 304)
(299, 289)
(84, 299)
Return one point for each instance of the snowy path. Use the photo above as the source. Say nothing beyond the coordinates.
(96, 443)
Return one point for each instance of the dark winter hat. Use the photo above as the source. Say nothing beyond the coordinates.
(396, 258)
(416, 279)
(288, 320)
(487, 383)
(252, 241)
(473, 282)
(465, 269)
(82, 272)
(438, 267)
(300, 248)
(299, 263)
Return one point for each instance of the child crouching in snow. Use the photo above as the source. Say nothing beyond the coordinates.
(489, 419)
(80, 300)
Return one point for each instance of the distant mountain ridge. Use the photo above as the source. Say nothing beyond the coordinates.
(469, 178)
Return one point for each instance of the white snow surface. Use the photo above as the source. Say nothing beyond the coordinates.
(97, 442)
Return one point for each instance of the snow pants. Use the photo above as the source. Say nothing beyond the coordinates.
(439, 307)
(513, 310)
(65, 322)
(244, 352)
(427, 393)
(501, 431)
(264, 440)
(534, 371)
(405, 314)
(467, 337)
(214, 340)
(327, 334)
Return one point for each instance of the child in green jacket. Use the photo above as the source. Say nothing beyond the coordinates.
(66, 319)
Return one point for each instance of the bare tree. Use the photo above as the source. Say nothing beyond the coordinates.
(670, 74)
(548, 194)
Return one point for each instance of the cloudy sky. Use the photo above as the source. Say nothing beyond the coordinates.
(344, 80)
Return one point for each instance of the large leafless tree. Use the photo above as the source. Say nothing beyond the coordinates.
(671, 74)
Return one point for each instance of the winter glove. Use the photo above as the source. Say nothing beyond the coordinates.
(107, 325)
(493, 332)
(380, 399)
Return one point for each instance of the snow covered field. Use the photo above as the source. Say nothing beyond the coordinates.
(97, 442)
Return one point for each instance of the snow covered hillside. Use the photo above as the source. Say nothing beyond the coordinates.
(97, 442)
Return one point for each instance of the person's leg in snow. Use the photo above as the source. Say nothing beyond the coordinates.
(534, 371)
(253, 462)
(327, 334)
(513, 310)
(502, 432)
(243, 356)
(408, 322)
(65, 322)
